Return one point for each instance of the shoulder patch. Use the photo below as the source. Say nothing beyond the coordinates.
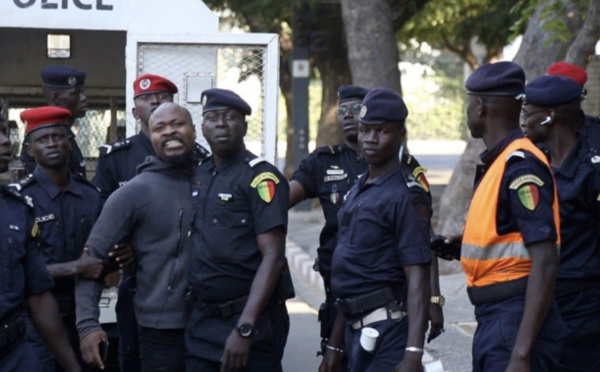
(326, 150)
(264, 183)
(528, 178)
(201, 151)
(529, 196)
(515, 155)
(23, 182)
(15, 194)
(419, 175)
(119, 145)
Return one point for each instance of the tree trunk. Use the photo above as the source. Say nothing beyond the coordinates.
(334, 71)
(586, 40)
(540, 47)
(372, 47)
(535, 55)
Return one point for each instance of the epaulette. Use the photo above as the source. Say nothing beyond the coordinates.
(252, 163)
(119, 145)
(81, 178)
(201, 151)
(327, 150)
(515, 155)
(23, 182)
(11, 192)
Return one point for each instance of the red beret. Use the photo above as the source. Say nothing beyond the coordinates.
(45, 116)
(569, 70)
(148, 83)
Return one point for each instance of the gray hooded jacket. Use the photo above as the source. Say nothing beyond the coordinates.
(153, 213)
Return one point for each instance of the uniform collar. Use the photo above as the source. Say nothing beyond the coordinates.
(51, 188)
(240, 157)
(488, 156)
(381, 180)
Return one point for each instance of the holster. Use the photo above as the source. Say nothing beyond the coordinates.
(353, 306)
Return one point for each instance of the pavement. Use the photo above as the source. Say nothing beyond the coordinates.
(453, 347)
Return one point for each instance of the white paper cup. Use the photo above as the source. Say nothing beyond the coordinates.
(435, 366)
(368, 338)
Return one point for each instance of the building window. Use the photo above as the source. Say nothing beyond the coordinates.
(59, 46)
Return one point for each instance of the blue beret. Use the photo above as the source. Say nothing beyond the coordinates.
(552, 90)
(348, 92)
(223, 99)
(382, 105)
(62, 77)
(497, 79)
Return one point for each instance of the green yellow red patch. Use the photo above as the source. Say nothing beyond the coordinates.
(264, 184)
(419, 174)
(529, 196)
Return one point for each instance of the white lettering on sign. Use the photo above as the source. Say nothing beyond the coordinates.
(64, 4)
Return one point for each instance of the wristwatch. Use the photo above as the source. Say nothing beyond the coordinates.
(245, 329)
(438, 300)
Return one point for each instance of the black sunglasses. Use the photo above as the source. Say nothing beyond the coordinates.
(354, 109)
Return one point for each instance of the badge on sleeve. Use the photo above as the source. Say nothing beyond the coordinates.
(529, 196)
(419, 174)
(264, 184)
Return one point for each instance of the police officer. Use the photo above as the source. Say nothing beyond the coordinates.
(328, 173)
(380, 267)
(239, 321)
(117, 165)
(551, 115)
(24, 281)
(63, 87)
(153, 212)
(510, 242)
(66, 207)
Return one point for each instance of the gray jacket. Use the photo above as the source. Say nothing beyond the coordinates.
(153, 213)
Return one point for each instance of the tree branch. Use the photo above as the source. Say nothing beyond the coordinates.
(586, 40)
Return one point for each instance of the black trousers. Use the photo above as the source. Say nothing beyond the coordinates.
(162, 349)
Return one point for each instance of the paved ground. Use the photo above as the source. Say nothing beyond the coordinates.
(453, 348)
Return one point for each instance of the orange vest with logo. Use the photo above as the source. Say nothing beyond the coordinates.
(486, 257)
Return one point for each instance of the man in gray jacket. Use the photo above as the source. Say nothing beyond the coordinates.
(153, 212)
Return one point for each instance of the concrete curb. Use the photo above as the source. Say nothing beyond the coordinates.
(302, 263)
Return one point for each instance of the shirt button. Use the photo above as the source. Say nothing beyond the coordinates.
(215, 220)
(243, 220)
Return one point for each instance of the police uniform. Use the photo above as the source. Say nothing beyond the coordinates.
(380, 232)
(23, 274)
(60, 77)
(241, 199)
(514, 205)
(578, 281)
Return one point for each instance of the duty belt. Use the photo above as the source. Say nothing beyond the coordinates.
(378, 315)
(10, 333)
(497, 292)
(224, 310)
(357, 305)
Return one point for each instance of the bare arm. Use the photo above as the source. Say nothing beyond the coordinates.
(297, 193)
(540, 289)
(417, 277)
(44, 314)
(333, 358)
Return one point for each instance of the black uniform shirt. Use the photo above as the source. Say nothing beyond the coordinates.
(76, 159)
(22, 269)
(238, 201)
(64, 219)
(381, 231)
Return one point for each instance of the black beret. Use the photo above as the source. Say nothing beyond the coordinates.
(62, 77)
(348, 92)
(552, 90)
(223, 99)
(497, 79)
(382, 105)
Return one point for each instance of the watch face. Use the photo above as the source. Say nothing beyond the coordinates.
(245, 329)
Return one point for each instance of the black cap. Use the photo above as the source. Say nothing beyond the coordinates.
(497, 79)
(348, 92)
(552, 90)
(382, 105)
(223, 99)
(62, 77)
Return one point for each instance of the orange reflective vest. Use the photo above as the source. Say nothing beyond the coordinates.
(486, 257)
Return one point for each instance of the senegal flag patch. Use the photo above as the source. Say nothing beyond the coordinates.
(529, 196)
(419, 174)
(264, 184)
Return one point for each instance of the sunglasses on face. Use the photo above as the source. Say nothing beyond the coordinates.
(353, 108)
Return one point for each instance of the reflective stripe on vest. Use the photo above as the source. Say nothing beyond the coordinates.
(486, 257)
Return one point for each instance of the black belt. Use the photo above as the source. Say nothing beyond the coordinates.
(224, 310)
(569, 286)
(10, 333)
(497, 292)
(360, 304)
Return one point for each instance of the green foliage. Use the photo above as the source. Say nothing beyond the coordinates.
(270, 12)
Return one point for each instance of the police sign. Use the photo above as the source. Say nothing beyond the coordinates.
(64, 4)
